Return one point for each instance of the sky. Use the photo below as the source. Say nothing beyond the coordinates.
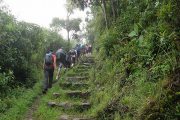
(40, 12)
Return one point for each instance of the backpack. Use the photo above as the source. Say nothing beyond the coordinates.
(48, 59)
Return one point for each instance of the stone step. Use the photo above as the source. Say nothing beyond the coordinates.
(76, 78)
(86, 64)
(88, 61)
(83, 67)
(75, 85)
(91, 57)
(77, 74)
(80, 70)
(79, 94)
(71, 106)
(56, 95)
(74, 94)
(70, 117)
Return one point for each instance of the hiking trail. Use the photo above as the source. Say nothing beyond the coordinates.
(75, 90)
(30, 113)
(71, 99)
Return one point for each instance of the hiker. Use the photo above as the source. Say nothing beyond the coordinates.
(82, 50)
(49, 67)
(90, 49)
(63, 60)
(78, 50)
(72, 54)
(86, 49)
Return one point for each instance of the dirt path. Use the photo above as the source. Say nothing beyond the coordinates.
(32, 109)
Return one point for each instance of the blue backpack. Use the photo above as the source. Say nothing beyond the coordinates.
(48, 59)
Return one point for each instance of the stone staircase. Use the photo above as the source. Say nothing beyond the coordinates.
(75, 91)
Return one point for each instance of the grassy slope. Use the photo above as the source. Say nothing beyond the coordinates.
(21, 103)
(140, 65)
(20, 100)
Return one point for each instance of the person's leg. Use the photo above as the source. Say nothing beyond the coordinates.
(59, 69)
(78, 55)
(58, 73)
(45, 82)
(51, 72)
(73, 61)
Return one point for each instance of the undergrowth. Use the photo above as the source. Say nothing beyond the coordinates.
(16, 104)
(136, 75)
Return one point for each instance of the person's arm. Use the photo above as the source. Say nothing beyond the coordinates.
(54, 62)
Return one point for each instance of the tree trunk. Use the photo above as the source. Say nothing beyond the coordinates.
(117, 8)
(104, 12)
(67, 28)
(68, 40)
(113, 9)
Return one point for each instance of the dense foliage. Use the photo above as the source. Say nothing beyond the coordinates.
(22, 49)
(137, 46)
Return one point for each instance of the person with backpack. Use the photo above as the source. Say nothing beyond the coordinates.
(49, 67)
(61, 60)
(72, 54)
(78, 50)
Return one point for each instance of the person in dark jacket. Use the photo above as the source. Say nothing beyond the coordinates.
(49, 67)
(63, 60)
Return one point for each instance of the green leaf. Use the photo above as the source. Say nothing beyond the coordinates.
(136, 28)
(132, 34)
(10, 26)
(141, 39)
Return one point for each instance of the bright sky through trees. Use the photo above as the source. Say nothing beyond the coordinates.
(39, 12)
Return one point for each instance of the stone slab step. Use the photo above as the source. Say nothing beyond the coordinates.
(83, 67)
(86, 64)
(56, 95)
(80, 70)
(68, 117)
(75, 106)
(77, 74)
(54, 104)
(79, 94)
(90, 56)
(76, 78)
(88, 61)
(75, 85)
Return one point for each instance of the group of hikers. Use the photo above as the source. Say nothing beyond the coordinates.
(61, 58)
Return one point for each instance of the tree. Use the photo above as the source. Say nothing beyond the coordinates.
(70, 26)
(82, 4)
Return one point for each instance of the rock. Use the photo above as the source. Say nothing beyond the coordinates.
(67, 117)
(83, 106)
(52, 104)
(78, 94)
(76, 78)
(78, 73)
(56, 94)
(83, 67)
(64, 117)
(65, 105)
(82, 119)
(74, 85)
